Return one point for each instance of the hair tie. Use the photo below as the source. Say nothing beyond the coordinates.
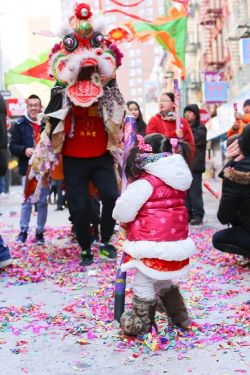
(174, 144)
(143, 147)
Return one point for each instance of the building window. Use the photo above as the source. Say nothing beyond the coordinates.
(149, 12)
(141, 12)
(161, 10)
(138, 62)
(133, 92)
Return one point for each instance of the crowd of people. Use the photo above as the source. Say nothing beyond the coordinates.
(164, 172)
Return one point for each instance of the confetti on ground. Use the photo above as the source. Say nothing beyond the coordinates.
(214, 282)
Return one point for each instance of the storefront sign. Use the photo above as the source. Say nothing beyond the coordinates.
(204, 115)
(16, 107)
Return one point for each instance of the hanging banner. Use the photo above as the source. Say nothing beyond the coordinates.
(215, 89)
(245, 50)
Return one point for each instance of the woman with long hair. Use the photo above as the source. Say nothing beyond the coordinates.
(134, 109)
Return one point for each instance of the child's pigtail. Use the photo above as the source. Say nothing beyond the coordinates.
(184, 150)
(132, 169)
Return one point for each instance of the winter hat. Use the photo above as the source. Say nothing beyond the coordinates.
(244, 141)
(193, 108)
(246, 102)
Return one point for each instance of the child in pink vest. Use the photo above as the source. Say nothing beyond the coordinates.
(157, 245)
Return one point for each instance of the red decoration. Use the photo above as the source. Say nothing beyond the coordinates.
(40, 71)
(126, 14)
(127, 5)
(120, 34)
(83, 11)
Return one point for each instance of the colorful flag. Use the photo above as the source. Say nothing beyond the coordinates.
(32, 70)
(170, 32)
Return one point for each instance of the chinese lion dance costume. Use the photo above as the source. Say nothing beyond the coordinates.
(83, 125)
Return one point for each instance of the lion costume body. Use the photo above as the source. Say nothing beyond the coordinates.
(83, 123)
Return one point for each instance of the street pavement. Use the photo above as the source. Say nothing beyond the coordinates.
(57, 319)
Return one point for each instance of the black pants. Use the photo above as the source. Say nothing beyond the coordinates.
(234, 240)
(194, 200)
(78, 173)
(60, 196)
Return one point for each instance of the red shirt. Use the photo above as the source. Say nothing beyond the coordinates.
(90, 138)
(168, 128)
(36, 129)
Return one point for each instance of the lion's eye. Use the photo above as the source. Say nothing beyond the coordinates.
(70, 42)
(97, 40)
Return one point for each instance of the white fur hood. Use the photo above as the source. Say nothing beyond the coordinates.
(173, 170)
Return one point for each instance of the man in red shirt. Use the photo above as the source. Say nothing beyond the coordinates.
(85, 159)
(164, 122)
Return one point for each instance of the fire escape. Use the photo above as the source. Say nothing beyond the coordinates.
(215, 56)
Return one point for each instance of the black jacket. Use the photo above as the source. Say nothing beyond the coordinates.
(199, 131)
(234, 206)
(3, 138)
(198, 163)
(22, 137)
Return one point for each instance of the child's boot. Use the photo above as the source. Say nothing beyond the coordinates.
(171, 300)
(141, 319)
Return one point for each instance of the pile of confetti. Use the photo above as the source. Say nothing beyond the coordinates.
(215, 281)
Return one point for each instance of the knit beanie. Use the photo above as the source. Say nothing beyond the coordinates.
(193, 108)
(244, 141)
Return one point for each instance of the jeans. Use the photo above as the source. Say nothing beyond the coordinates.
(234, 240)
(42, 209)
(78, 173)
(194, 200)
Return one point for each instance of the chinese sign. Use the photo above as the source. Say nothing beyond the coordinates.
(215, 89)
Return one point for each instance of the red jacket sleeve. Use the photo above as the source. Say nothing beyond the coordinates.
(188, 136)
(152, 126)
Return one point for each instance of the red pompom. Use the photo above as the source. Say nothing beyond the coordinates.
(83, 11)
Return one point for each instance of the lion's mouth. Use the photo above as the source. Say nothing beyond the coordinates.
(87, 88)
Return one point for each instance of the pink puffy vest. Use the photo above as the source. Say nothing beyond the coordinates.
(163, 217)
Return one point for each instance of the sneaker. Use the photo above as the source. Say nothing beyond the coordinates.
(108, 250)
(59, 208)
(5, 258)
(197, 220)
(22, 237)
(87, 258)
(39, 238)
